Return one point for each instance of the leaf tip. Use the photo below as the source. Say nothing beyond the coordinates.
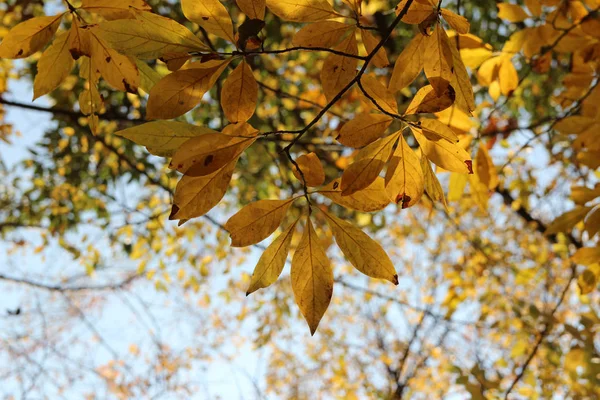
(174, 211)
(395, 280)
(469, 164)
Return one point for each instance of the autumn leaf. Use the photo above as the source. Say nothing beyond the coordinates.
(339, 70)
(459, 23)
(363, 129)
(440, 63)
(380, 59)
(434, 129)
(449, 156)
(409, 63)
(427, 101)
(29, 37)
(486, 171)
(418, 11)
(301, 10)
(404, 177)
(114, 9)
(587, 255)
(149, 77)
(379, 93)
(256, 221)
(433, 188)
(254, 9)
(311, 168)
(54, 66)
(365, 254)
(271, 262)
(312, 278)
(511, 12)
(321, 34)
(372, 198)
(567, 221)
(211, 15)
(239, 94)
(118, 70)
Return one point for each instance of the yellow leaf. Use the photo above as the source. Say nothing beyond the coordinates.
(150, 36)
(180, 91)
(587, 255)
(447, 155)
(254, 9)
(239, 94)
(338, 70)
(372, 198)
(534, 6)
(488, 71)
(418, 11)
(408, 64)
(508, 77)
(29, 37)
(567, 221)
(459, 23)
(321, 34)
(148, 76)
(380, 60)
(79, 40)
(426, 100)
(311, 168)
(302, 10)
(256, 221)
(207, 153)
(456, 186)
(479, 191)
(404, 177)
(461, 81)
(312, 278)
(378, 92)
(162, 138)
(588, 279)
(118, 70)
(367, 165)
(511, 12)
(363, 129)
(272, 261)
(114, 9)
(365, 254)
(485, 168)
(433, 128)
(438, 54)
(211, 15)
(433, 188)
(175, 61)
(195, 196)
(54, 66)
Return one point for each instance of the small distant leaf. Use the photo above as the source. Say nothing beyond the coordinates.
(363, 129)
(404, 177)
(302, 10)
(427, 101)
(321, 34)
(29, 37)
(372, 198)
(239, 94)
(312, 278)
(365, 254)
(311, 167)
(447, 155)
(271, 262)
(211, 15)
(339, 70)
(567, 221)
(256, 221)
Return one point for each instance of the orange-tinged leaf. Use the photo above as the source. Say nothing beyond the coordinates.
(447, 155)
(418, 11)
(239, 94)
(363, 129)
(404, 177)
(196, 195)
(321, 34)
(511, 12)
(486, 171)
(426, 100)
(180, 91)
(302, 10)
(163, 138)
(254, 9)
(592, 222)
(367, 165)
(312, 169)
(372, 198)
(211, 15)
(380, 59)
(379, 93)
(338, 70)
(364, 253)
(567, 221)
(29, 37)
(54, 66)
(312, 278)
(534, 7)
(149, 36)
(439, 65)
(433, 188)
(114, 9)
(587, 255)
(209, 152)
(459, 23)
(256, 221)
(271, 262)
(433, 128)
(408, 64)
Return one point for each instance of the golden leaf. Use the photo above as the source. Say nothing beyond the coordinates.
(254, 9)
(372, 198)
(404, 177)
(311, 168)
(511, 12)
(567, 221)
(418, 11)
(363, 129)
(211, 15)
(380, 59)
(256, 221)
(587, 255)
(459, 23)
(29, 37)
(302, 10)
(408, 64)
(114, 9)
(54, 66)
(433, 188)
(338, 70)
(438, 54)
(447, 155)
(118, 70)
(485, 168)
(239, 94)
(378, 92)
(427, 101)
(434, 129)
(321, 34)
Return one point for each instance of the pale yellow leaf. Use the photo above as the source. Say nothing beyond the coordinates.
(302, 10)
(271, 262)
(162, 138)
(29, 37)
(256, 221)
(372, 198)
(114, 9)
(447, 155)
(54, 66)
(321, 34)
(363, 129)
(508, 77)
(365, 254)
(211, 15)
(339, 70)
(312, 169)
(404, 181)
(312, 278)
(148, 76)
(180, 91)
(254, 9)
(456, 186)
(408, 64)
(239, 94)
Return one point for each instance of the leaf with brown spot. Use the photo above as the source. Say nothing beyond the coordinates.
(372, 198)
(118, 70)
(426, 100)
(449, 156)
(404, 177)
(29, 36)
(439, 65)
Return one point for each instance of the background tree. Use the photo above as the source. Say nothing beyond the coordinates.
(313, 116)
